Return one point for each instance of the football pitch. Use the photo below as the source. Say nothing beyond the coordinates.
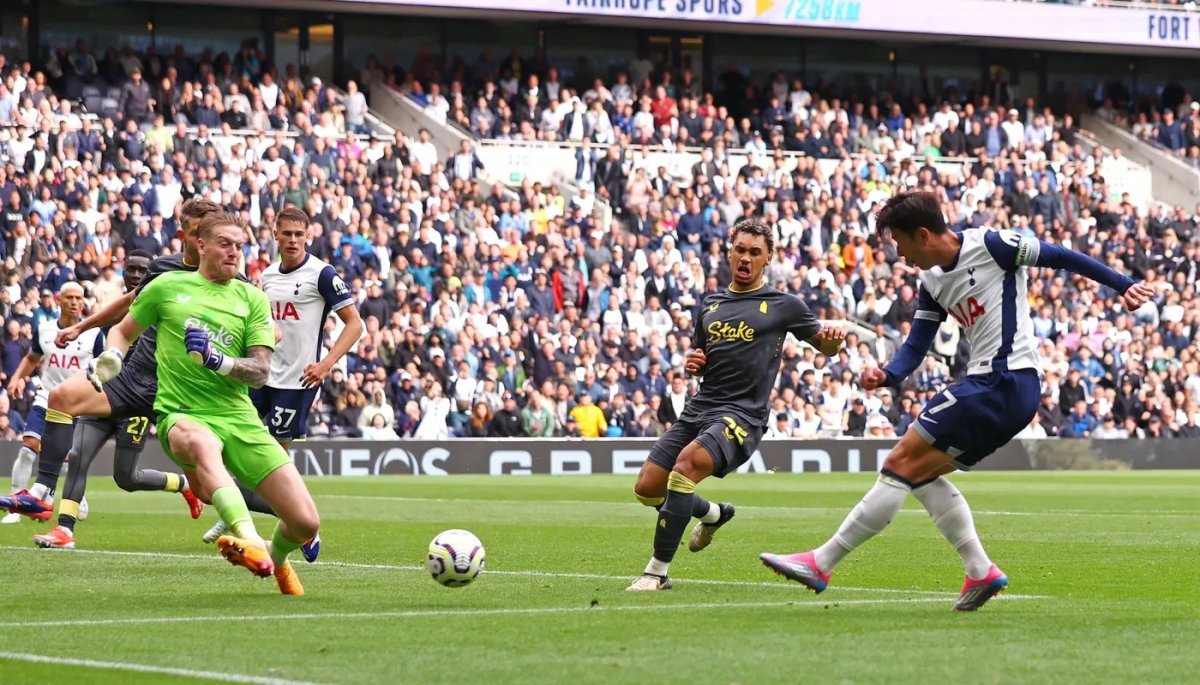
(1103, 570)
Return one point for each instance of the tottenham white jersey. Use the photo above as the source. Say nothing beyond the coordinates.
(985, 291)
(300, 301)
(60, 364)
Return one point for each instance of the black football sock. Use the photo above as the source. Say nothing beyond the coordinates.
(676, 513)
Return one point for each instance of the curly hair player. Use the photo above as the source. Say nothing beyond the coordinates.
(736, 346)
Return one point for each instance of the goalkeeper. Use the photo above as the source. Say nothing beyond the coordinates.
(215, 338)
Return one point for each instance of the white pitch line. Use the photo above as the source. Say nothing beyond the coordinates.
(530, 573)
(146, 668)
(427, 613)
(814, 510)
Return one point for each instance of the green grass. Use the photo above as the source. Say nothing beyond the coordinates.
(1103, 570)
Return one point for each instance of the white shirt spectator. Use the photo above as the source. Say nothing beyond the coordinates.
(269, 94)
(169, 195)
(423, 153)
(437, 107)
(809, 428)
(434, 412)
(1015, 132)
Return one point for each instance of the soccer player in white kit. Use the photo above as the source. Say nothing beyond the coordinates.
(979, 277)
(303, 291)
(56, 366)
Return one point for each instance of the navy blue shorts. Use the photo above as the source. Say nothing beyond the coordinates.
(35, 422)
(284, 410)
(980, 414)
(724, 437)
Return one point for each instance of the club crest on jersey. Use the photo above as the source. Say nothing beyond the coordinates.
(221, 338)
(724, 330)
(282, 311)
(967, 313)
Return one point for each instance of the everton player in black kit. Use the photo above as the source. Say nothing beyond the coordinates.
(736, 348)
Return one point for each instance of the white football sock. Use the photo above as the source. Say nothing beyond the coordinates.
(39, 491)
(952, 515)
(23, 468)
(657, 568)
(713, 515)
(870, 516)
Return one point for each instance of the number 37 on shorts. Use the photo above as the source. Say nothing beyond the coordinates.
(284, 410)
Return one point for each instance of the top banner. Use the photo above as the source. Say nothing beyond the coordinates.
(1023, 21)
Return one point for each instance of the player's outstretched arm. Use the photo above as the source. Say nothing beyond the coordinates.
(1012, 250)
(122, 335)
(908, 357)
(107, 365)
(16, 384)
(828, 340)
(926, 321)
(314, 374)
(110, 315)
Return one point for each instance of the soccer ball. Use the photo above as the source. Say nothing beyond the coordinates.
(455, 557)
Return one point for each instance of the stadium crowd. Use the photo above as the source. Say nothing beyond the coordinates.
(512, 312)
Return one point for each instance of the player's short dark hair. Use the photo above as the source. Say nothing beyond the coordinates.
(198, 208)
(292, 215)
(211, 222)
(754, 227)
(139, 253)
(908, 212)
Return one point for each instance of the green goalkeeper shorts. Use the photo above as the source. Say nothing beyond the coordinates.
(248, 450)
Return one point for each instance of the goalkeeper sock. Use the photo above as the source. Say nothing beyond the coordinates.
(281, 547)
(233, 511)
(23, 468)
(952, 515)
(868, 518)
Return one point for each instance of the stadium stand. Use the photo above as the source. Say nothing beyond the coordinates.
(493, 309)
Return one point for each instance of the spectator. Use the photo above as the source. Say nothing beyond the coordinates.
(135, 101)
(589, 418)
(480, 423)
(507, 422)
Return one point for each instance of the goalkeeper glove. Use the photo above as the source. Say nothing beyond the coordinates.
(202, 351)
(104, 368)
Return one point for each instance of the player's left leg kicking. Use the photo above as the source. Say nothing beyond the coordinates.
(716, 450)
(960, 426)
(285, 414)
(215, 448)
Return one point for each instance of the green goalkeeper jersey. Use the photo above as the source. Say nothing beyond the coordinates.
(236, 316)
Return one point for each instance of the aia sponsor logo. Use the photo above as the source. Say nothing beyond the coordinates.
(967, 313)
(283, 311)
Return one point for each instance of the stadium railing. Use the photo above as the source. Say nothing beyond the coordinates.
(544, 160)
(1172, 180)
(402, 113)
